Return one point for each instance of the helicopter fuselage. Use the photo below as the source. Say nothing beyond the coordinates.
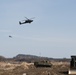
(26, 21)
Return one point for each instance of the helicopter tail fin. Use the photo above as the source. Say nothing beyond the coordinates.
(19, 22)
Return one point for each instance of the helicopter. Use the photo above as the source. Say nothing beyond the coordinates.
(10, 36)
(26, 21)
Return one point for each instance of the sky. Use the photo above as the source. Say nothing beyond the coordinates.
(51, 34)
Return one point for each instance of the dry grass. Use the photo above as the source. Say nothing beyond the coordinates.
(58, 68)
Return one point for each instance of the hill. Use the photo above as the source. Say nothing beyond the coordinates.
(31, 58)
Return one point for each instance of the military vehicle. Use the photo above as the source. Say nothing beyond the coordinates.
(42, 64)
(72, 69)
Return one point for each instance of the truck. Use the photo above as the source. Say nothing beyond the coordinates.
(72, 69)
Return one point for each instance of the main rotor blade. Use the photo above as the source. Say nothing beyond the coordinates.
(26, 17)
(32, 18)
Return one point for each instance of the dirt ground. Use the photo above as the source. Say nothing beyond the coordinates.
(57, 68)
